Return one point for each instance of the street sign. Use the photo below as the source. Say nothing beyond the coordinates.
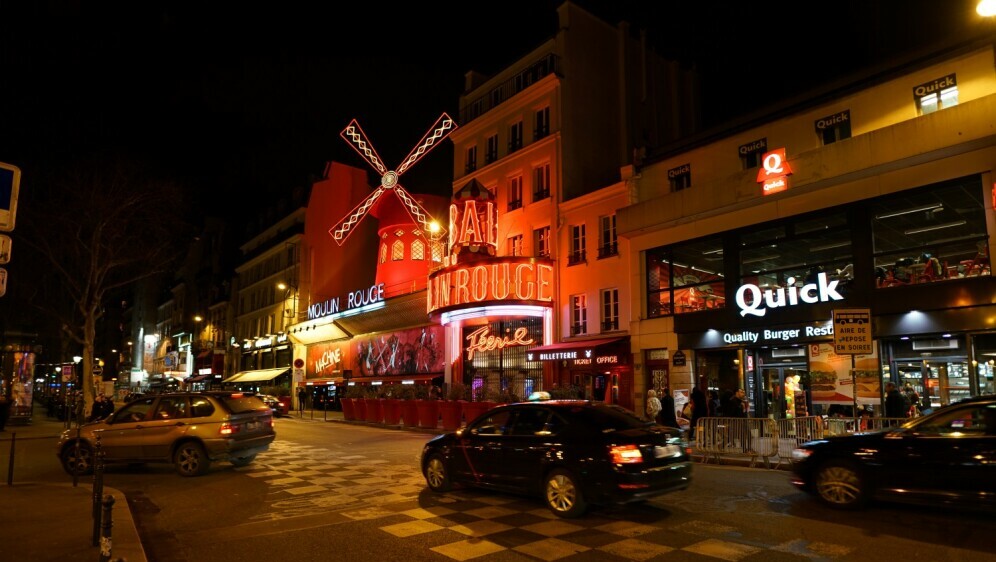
(97, 370)
(5, 244)
(852, 331)
(10, 183)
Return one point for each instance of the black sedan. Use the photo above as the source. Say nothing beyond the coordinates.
(947, 457)
(572, 453)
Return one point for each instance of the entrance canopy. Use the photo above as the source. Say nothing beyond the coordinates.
(259, 375)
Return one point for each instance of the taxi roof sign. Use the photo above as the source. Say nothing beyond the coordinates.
(10, 182)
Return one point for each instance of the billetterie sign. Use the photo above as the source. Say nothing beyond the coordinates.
(354, 299)
(479, 282)
(760, 301)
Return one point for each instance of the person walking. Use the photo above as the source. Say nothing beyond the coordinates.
(895, 405)
(700, 409)
(668, 416)
(653, 406)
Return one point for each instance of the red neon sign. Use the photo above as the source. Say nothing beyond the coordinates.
(504, 281)
(774, 172)
(482, 340)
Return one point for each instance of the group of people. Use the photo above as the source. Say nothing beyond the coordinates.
(901, 404)
(662, 409)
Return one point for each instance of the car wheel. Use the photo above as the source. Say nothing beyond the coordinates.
(839, 485)
(437, 475)
(191, 460)
(562, 493)
(78, 462)
(243, 461)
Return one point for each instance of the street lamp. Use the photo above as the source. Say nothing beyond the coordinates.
(290, 292)
(986, 8)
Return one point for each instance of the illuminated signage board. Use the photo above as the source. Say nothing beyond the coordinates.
(482, 340)
(578, 357)
(754, 147)
(752, 300)
(504, 280)
(790, 335)
(830, 121)
(774, 172)
(354, 300)
(935, 86)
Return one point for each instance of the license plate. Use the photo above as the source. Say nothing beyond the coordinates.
(252, 426)
(666, 451)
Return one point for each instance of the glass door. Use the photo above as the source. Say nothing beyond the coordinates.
(785, 392)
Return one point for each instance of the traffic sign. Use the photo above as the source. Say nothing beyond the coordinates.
(97, 370)
(10, 183)
(5, 244)
(852, 331)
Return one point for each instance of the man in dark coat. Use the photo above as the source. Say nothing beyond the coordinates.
(667, 414)
(895, 406)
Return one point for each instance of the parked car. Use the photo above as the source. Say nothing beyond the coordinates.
(278, 407)
(572, 453)
(946, 457)
(188, 429)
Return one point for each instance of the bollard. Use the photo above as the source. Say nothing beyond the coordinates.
(10, 466)
(98, 488)
(106, 546)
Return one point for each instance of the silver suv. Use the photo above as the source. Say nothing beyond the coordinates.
(187, 429)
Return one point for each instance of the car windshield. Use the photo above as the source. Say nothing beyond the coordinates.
(242, 403)
(608, 417)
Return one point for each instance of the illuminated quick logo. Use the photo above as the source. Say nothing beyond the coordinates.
(774, 172)
(821, 291)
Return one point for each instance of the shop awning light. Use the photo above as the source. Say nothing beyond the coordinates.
(936, 206)
(934, 227)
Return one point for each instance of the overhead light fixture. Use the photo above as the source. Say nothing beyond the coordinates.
(830, 246)
(936, 206)
(716, 251)
(762, 258)
(934, 227)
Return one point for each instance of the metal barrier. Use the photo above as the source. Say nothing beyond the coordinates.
(847, 426)
(742, 437)
(792, 432)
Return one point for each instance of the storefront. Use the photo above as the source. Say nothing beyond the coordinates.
(601, 368)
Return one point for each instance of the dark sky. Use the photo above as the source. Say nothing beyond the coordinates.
(243, 100)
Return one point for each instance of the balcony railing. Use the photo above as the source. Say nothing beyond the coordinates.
(513, 205)
(610, 325)
(541, 194)
(548, 64)
(578, 329)
(470, 167)
(608, 250)
(514, 144)
(575, 258)
(541, 132)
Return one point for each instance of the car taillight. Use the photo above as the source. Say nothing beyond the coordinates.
(625, 454)
(230, 428)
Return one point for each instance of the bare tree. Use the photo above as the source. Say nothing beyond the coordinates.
(103, 223)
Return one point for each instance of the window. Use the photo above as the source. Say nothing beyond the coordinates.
(579, 315)
(610, 310)
(685, 277)
(515, 245)
(577, 245)
(418, 250)
(541, 242)
(833, 128)
(936, 94)
(541, 182)
(492, 153)
(608, 244)
(515, 136)
(751, 153)
(471, 159)
(493, 424)
(514, 193)
(542, 123)
(680, 178)
(170, 408)
(934, 233)
(398, 250)
(383, 253)
(530, 421)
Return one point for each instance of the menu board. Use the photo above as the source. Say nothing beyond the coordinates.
(830, 377)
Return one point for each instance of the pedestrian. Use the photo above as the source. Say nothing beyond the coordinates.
(700, 409)
(895, 405)
(653, 405)
(714, 408)
(736, 407)
(4, 411)
(668, 416)
(302, 396)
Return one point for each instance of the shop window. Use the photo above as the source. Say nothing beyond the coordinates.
(515, 136)
(541, 182)
(685, 277)
(608, 244)
(751, 153)
(610, 310)
(937, 94)
(515, 245)
(398, 250)
(541, 241)
(514, 193)
(577, 254)
(680, 181)
(931, 234)
(579, 315)
(833, 128)
(471, 160)
(984, 360)
(418, 250)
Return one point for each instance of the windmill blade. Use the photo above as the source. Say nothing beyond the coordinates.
(354, 135)
(417, 212)
(439, 131)
(344, 228)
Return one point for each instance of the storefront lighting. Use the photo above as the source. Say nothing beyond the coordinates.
(945, 335)
(829, 246)
(934, 207)
(935, 227)
(762, 258)
(716, 251)
(497, 310)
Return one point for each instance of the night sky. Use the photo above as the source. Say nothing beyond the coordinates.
(242, 101)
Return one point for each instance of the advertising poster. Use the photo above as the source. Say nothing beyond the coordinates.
(327, 360)
(405, 352)
(830, 377)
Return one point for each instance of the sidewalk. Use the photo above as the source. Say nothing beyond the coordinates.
(52, 522)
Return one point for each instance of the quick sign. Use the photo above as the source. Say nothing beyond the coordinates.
(774, 172)
(790, 335)
(752, 300)
(852, 331)
(833, 120)
(935, 86)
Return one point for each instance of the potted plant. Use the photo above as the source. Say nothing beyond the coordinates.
(390, 404)
(450, 409)
(406, 395)
(374, 413)
(481, 403)
(428, 411)
(355, 394)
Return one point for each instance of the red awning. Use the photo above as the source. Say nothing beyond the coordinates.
(577, 344)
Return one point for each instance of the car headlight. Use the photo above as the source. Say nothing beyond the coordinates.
(801, 454)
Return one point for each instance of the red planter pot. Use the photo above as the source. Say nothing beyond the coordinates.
(391, 408)
(348, 413)
(409, 412)
(374, 413)
(428, 413)
(473, 410)
(449, 411)
(359, 409)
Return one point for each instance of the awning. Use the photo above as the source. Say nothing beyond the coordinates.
(578, 349)
(196, 378)
(256, 376)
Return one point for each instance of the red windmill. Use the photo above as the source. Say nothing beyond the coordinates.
(356, 138)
